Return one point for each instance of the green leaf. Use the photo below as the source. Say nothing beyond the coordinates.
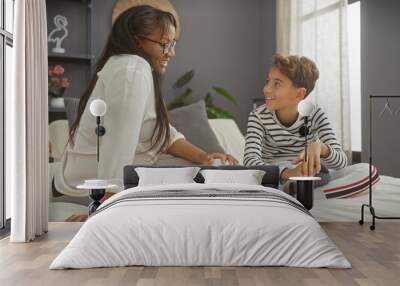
(224, 93)
(211, 113)
(179, 100)
(185, 79)
(188, 92)
(173, 105)
(208, 99)
(216, 112)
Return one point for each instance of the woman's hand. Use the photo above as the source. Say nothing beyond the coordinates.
(184, 149)
(315, 151)
(207, 158)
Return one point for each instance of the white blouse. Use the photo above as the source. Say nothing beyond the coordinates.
(126, 85)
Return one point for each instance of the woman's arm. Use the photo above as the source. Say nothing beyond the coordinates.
(184, 149)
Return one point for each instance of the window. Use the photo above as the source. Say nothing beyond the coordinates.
(354, 35)
(315, 40)
(6, 60)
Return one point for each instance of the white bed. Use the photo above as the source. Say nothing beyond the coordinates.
(188, 227)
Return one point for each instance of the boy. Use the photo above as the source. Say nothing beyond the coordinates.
(273, 135)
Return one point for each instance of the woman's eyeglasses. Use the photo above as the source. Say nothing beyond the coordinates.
(165, 46)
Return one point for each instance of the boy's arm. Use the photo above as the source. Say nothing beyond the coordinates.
(332, 154)
(254, 141)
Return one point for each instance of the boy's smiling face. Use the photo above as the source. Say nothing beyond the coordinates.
(280, 93)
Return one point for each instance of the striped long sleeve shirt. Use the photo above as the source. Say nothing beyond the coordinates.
(270, 142)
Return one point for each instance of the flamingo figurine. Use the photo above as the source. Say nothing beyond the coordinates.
(59, 33)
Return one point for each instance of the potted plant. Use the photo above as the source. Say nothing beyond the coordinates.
(213, 111)
(57, 84)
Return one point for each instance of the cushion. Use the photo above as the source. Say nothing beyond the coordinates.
(192, 122)
(229, 136)
(248, 177)
(349, 182)
(163, 176)
(169, 160)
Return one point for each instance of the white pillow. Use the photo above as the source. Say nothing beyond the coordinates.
(164, 176)
(229, 137)
(248, 177)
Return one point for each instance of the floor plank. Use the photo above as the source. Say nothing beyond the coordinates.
(375, 257)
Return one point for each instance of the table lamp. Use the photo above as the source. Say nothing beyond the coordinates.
(305, 187)
(97, 187)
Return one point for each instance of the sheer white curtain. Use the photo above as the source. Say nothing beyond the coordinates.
(318, 29)
(26, 127)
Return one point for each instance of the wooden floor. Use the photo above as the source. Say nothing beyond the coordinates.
(375, 257)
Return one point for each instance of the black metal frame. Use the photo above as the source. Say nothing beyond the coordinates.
(369, 205)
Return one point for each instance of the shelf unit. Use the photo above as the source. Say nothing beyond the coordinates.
(71, 58)
(78, 60)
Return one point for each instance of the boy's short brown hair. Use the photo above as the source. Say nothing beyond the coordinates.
(300, 70)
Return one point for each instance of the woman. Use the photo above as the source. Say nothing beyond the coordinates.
(128, 79)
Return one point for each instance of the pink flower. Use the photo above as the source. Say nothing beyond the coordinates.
(55, 81)
(58, 70)
(65, 82)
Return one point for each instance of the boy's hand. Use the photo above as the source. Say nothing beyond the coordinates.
(315, 151)
(296, 172)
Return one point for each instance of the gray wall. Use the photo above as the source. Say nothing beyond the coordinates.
(268, 33)
(380, 65)
(229, 43)
(225, 41)
(102, 11)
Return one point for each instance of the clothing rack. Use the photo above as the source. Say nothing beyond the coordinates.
(370, 206)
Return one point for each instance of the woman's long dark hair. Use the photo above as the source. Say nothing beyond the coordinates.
(134, 22)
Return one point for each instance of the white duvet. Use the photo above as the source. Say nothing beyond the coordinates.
(206, 230)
